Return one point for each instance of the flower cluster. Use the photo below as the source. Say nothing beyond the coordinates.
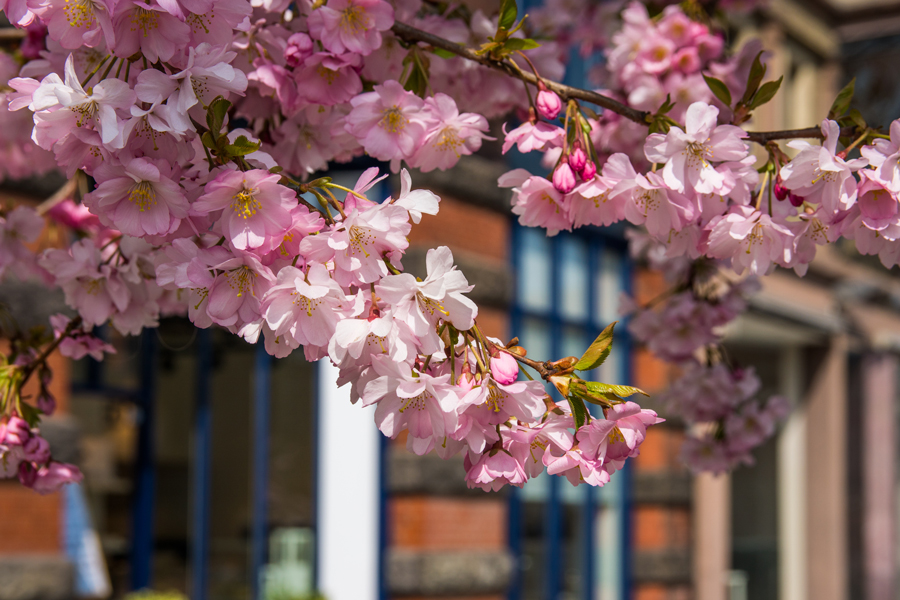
(26, 455)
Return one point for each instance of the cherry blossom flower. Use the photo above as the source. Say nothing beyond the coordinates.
(256, 210)
(389, 122)
(351, 25)
(138, 198)
(751, 239)
(493, 470)
(60, 107)
(449, 136)
(688, 154)
(819, 175)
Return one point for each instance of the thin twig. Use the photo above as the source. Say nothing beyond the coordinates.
(411, 34)
(565, 92)
(60, 195)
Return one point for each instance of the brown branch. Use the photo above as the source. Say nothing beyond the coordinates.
(565, 92)
(42, 357)
(412, 35)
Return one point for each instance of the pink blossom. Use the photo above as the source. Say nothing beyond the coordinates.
(62, 106)
(76, 24)
(878, 205)
(51, 477)
(360, 244)
(255, 208)
(80, 343)
(577, 467)
(147, 28)
(351, 25)
(93, 288)
(650, 202)
(304, 308)
(884, 156)
(138, 198)
(235, 295)
(328, 79)
(390, 122)
(751, 239)
(493, 470)
(537, 202)
(688, 154)
(439, 297)
(819, 175)
(530, 136)
(450, 135)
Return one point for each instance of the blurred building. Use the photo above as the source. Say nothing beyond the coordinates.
(218, 472)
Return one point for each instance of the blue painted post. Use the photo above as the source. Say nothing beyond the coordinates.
(145, 472)
(202, 467)
(259, 537)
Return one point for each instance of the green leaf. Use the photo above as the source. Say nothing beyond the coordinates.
(842, 102)
(209, 141)
(597, 352)
(757, 72)
(766, 93)
(666, 106)
(508, 14)
(215, 114)
(857, 118)
(241, 147)
(31, 415)
(443, 53)
(513, 44)
(579, 411)
(607, 389)
(719, 89)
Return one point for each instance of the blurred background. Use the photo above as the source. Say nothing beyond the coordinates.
(212, 471)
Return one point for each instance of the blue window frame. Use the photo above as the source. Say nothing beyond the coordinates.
(570, 542)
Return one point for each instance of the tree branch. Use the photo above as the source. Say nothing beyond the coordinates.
(413, 35)
(565, 92)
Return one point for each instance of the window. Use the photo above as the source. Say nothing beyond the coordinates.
(571, 543)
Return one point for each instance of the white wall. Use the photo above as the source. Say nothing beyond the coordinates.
(347, 493)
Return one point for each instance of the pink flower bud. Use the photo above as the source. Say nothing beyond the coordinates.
(299, 48)
(781, 192)
(46, 403)
(577, 159)
(589, 171)
(564, 178)
(17, 432)
(548, 104)
(37, 449)
(795, 199)
(504, 368)
(27, 474)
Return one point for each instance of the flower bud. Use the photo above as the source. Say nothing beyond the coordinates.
(577, 159)
(781, 192)
(466, 381)
(564, 178)
(299, 48)
(46, 403)
(504, 368)
(589, 171)
(795, 200)
(37, 449)
(17, 432)
(27, 474)
(548, 104)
